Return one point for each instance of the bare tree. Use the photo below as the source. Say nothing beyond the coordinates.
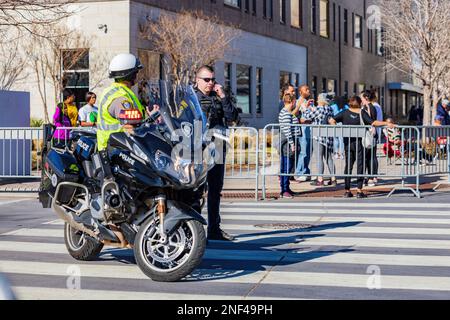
(417, 41)
(64, 49)
(24, 15)
(188, 40)
(12, 64)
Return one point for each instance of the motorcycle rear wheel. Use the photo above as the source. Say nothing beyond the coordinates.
(81, 246)
(174, 260)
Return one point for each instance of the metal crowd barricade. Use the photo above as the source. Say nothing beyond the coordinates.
(398, 159)
(435, 151)
(20, 152)
(242, 159)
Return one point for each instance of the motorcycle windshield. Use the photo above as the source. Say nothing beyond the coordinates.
(184, 120)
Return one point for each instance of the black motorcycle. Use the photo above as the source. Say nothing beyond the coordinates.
(138, 193)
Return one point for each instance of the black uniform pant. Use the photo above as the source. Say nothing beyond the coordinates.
(354, 152)
(215, 186)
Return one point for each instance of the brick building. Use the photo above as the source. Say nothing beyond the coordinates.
(323, 43)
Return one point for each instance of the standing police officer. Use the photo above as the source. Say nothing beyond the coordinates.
(219, 110)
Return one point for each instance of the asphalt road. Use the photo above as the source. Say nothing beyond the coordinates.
(370, 249)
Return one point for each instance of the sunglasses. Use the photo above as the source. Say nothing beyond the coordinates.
(209, 79)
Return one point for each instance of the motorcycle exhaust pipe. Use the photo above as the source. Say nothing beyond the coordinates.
(67, 217)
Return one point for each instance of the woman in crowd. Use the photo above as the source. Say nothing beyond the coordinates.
(339, 105)
(323, 146)
(354, 150)
(367, 97)
(88, 114)
(289, 143)
(62, 117)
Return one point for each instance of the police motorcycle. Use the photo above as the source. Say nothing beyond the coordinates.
(140, 192)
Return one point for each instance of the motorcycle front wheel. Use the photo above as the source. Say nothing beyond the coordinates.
(174, 259)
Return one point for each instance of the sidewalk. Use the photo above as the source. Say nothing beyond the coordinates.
(245, 188)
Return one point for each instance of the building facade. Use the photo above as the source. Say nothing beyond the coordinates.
(333, 46)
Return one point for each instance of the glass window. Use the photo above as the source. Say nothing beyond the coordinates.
(358, 31)
(254, 7)
(264, 9)
(331, 87)
(243, 87)
(361, 88)
(247, 5)
(285, 78)
(233, 3)
(379, 41)
(268, 9)
(346, 93)
(283, 11)
(227, 76)
(75, 71)
(324, 20)
(296, 12)
(313, 16)
(259, 90)
(314, 87)
(324, 85)
(345, 26)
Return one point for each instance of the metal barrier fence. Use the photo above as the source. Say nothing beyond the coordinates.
(411, 152)
(20, 152)
(435, 151)
(242, 158)
(314, 149)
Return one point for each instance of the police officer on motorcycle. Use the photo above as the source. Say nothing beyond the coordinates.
(219, 110)
(118, 97)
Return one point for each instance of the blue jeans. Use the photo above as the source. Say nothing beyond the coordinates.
(304, 156)
(287, 163)
(339, 145)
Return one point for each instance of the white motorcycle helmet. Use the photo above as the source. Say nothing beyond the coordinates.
(124, 66)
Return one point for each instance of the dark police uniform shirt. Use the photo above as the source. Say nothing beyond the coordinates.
(217, 110)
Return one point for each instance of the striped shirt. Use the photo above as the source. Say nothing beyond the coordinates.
(288, 131)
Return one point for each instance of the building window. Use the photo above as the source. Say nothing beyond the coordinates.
(268, 9)
(243, 73)
(254, 7)
(247, 6)
(233, 3)
(361, 88)
(285, 78)
(314, 87)
(227, 76)
(324, 85)
(324, 19)
(75, 71)
(355, 89)
(334, 21)
(297, 84)
(358, 32)
(345, 26)
(313, 16)
(346, 93)
(296, 13)
(379, 41)
(259, 90)
(283, 11)
(331, 86)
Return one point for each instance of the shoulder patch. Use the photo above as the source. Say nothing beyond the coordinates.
(127, 104)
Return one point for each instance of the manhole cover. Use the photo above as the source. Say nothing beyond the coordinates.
(285, 226)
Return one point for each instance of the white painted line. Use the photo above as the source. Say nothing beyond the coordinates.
(2, 203)
(366, 211)
(240, 276)
(51, 233)
(327, 204)
(33, 293)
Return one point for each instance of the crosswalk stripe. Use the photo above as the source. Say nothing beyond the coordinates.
(241, 276)
(38, 293)
(337, 211)
(328, 205)
(271, 255)
(59, 233)
(319, 218)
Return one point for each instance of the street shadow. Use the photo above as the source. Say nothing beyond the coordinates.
(222, 261)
